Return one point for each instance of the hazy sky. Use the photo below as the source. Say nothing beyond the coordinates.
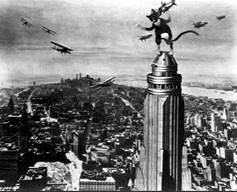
(103, 35)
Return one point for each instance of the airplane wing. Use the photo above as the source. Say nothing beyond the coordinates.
(96, 85)
(200, 24)
(196, 25)
(59, 45)
(22, 19)
(111, 79)
(173, 2)
(25, 22)
(48, 30)
(220, 17)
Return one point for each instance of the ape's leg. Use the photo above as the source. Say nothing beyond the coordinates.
(158, 53)
(171, 48)
(158, 42)
(158, 49)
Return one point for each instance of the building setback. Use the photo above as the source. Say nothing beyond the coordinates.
(161, 158)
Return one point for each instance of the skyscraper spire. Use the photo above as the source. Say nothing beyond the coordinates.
(11, 105)
(161, 163)
(24, 132)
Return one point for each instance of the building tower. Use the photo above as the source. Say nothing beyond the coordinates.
(24, 130)
(11, 105)
(225, 115)
(161, 159)
(186, 172)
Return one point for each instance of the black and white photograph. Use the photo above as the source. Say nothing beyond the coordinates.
(118, 95)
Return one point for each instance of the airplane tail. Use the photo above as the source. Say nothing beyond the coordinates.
(185, 32)
(173, 2)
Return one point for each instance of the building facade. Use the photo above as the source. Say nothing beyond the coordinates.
(161, 159)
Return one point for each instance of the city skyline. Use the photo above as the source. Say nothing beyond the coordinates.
(104, 37)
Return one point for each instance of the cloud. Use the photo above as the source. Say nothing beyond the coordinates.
(103, 36)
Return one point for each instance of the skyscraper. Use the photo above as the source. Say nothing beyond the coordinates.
(161, 160)
(186, 172)
(11, 105)
(24, 130)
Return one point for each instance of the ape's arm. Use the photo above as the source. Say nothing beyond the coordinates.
(146, 28)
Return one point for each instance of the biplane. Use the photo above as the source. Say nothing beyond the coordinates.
(200, 24)
(47, 30)
(61, 48)
(25, 22)
(105, 83)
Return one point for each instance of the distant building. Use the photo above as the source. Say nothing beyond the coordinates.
(97, 185)
(234, 133)
(24, 132)
(208, 174)
(217, 168)
(62, 81)
(9, 165)
(188, 118)
(79, 142)
(75, 142)
(4, 128)
(215, 122)
(34, 180)
(225, 115)
(11, 105)
(186, 172)
(198, 121)
(235, 157)
(229, 154)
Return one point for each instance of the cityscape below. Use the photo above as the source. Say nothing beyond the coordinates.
(68, 136)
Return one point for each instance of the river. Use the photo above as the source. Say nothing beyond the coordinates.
(195, 91)
(211, 93)
(139, 81)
